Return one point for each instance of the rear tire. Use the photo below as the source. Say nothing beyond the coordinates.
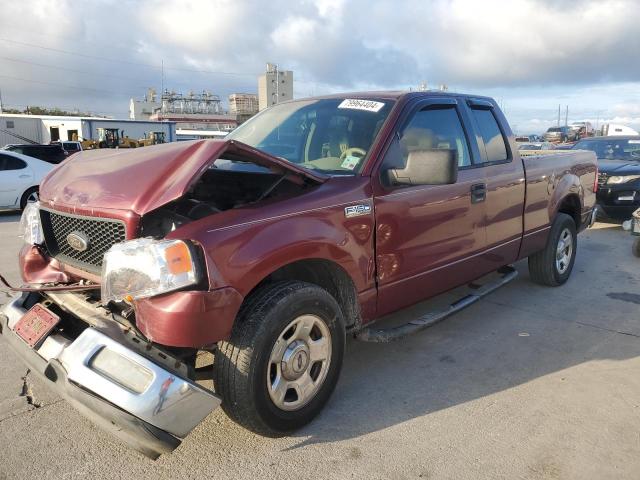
(30, 195)
(268, 373)
(552, 266)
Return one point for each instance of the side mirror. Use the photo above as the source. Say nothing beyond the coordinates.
(426, 167)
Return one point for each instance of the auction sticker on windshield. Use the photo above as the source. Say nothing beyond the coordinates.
(358, 104)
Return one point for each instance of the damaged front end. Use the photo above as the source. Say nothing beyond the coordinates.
(112, 375)
(117, 304)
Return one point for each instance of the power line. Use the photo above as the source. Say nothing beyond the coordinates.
(70, 69)
(65, 86)
(140, 64)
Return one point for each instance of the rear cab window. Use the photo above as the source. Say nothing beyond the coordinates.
(491, 140)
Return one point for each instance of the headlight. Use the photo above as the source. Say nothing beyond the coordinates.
(615, 180)
(30, 226)
(145, 267)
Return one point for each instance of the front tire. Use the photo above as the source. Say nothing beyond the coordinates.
(30, 195)
(283, 360)
(552, 266)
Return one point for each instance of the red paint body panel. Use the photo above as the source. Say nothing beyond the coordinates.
(416, 243)
(188, 319)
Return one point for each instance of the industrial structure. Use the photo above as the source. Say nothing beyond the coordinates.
(191, 111)
(274, 86)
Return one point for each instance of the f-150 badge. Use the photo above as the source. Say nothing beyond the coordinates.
(357, 210)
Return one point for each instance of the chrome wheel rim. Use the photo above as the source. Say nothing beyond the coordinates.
(299, 362)
(564, 251)
(33, 197)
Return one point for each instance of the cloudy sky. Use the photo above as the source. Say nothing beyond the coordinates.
(531, 55)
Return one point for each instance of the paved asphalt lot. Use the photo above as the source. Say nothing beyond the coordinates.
(530, 383)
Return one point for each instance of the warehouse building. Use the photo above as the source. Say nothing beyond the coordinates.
(20, 128)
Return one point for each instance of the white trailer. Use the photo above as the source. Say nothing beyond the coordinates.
(19, 129)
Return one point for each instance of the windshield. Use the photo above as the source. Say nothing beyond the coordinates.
(330, 135)
(612, 149)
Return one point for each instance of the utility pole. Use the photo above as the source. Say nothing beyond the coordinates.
(277, 84)
(566, 117)
(0, 100)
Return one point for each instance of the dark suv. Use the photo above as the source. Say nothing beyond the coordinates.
(557, 134)
(619, 177)
(53, 153)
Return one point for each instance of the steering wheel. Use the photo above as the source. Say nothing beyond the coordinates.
(352, 150)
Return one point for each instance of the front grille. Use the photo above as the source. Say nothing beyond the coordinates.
(100, 234)
(602, 178)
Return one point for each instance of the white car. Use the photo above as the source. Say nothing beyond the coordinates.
(20, 177)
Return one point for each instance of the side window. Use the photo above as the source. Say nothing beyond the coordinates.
(11, 163)
(431, 129)
(494, 143)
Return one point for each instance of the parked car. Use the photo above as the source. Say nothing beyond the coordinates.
(70, 147)
(20, 176)
(581, 130)
(633, 225)
(53, 153)
(537, 146)
(305, 224)
(619, 173)
(558, 135)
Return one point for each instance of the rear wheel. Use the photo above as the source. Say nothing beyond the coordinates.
(283, 359)
(552, 266)
(29, 196)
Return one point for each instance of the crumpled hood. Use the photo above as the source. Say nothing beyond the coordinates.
(143, 179)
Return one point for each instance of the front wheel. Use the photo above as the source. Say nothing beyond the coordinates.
(29, 196)
(552, 266)
(283, 359)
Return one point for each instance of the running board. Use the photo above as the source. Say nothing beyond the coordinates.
(372, 334)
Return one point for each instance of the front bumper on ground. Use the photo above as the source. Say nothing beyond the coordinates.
(151, 416)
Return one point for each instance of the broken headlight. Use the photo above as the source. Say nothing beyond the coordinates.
(30, 226)
(145, 267)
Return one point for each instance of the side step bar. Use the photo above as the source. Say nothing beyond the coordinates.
(372, 334)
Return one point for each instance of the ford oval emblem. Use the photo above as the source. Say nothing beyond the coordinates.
(78, 241)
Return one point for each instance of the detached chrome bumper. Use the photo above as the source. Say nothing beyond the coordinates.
(141, 402)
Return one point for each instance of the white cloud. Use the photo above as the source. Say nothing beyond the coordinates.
(519, 47)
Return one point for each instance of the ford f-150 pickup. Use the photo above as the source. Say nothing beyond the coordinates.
(266, 249)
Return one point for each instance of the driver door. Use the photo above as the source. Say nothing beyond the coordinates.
(428, 237)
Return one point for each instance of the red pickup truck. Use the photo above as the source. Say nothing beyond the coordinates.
(307, 223)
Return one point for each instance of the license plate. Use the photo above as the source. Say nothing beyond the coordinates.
(36, 324)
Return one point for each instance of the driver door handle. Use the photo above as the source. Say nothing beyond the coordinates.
(478, 192)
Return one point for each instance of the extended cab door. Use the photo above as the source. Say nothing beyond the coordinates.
(505, 182)
(428, 237)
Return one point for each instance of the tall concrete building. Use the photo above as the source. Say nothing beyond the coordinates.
(143, 109)
(274, 86)
(243, 103)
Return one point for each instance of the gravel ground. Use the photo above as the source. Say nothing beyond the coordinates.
(529, 383)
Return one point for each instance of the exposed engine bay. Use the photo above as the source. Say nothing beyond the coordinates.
(226, 184)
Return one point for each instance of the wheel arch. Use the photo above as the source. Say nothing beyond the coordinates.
(324, 273)
(571, 206)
